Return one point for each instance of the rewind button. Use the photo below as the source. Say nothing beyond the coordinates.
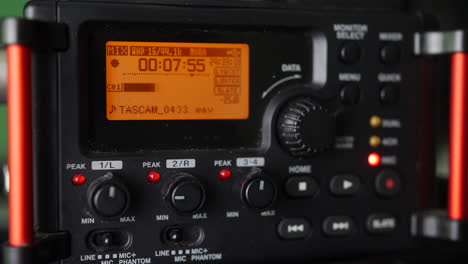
(294, 228)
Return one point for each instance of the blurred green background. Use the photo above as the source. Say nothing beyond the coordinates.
(7, 8)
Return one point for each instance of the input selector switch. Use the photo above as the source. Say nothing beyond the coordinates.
(108, 197)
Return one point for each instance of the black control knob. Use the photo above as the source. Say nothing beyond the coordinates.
(259, 192)
(108, 197)
(186, 193)
(304, 127)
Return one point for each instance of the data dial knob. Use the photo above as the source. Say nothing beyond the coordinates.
(304, 127)
(185, 193)
(108, 197)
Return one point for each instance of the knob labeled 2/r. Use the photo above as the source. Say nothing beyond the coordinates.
(186, 193)
(304, 127)
(108, 197)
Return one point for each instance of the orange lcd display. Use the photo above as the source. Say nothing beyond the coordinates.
(176, 81)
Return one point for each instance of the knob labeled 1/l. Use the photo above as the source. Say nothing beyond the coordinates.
(108, 197)
(305, 127)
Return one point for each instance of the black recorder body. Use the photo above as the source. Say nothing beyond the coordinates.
(224, 134)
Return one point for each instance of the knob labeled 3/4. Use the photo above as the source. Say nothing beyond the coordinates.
(259, 192)
(108, 197)
(305, 127)
(186, 193)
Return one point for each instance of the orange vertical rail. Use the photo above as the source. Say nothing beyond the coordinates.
(458, 144)
(20, 145)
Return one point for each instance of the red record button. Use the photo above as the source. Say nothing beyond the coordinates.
(153, 176)
(388, 183)
(78, 179)
(224, 174)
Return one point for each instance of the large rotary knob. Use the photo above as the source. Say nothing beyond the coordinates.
(305, 127)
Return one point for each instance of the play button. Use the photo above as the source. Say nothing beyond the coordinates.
(347, 184)
(344, 185)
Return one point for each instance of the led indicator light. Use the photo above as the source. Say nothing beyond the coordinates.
(375, 141)
(373, 159)
(224, 174)
(375, 121)
(78, 179)
(153, 176)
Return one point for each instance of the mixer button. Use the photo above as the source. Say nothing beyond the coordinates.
(390, 54)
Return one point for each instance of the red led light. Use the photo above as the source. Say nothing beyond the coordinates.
(153, 176)
(373, 159)
(78, 179)
(224, 174)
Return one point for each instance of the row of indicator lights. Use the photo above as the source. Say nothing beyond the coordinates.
(374, 159)
(152, 176)
(375, 122)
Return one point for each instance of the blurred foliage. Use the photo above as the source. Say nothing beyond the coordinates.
(7, 8)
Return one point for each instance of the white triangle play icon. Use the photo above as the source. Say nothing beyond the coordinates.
(347, 184)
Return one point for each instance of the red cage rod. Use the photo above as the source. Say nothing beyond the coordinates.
(20, 145)
(458, 144)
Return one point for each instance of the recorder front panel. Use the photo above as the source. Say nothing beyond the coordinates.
(303, 142)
